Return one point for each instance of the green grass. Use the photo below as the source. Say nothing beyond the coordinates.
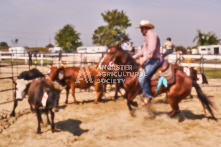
(212, 72)
(22, 62)
(206, 61)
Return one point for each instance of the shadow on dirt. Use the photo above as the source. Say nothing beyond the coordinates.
(72, 126)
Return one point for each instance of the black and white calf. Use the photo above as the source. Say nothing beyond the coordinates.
(43, 96)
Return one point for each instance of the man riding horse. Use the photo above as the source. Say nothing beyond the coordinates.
(151, 57)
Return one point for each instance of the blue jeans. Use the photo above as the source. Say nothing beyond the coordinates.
(150, 66)
(168, 51)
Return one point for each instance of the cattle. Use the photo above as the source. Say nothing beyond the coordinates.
(26, 76)
(31, 74)
(43, 96)
(77, 77)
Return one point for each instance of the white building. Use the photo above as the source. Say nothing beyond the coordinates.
(210, 49)
(92, 49)
(18, 51)
(55, 49)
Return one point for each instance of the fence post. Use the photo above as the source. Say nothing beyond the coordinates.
(26, 58)
(42, 61)
(30, 60)
(81, 58)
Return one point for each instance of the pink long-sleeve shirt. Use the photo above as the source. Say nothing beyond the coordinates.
(151, 47)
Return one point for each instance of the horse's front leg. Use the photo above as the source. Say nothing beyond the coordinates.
(48, 120)
(52, 121)
(116, 91)
(67, 94)
(14, 107)
(73, 92)
(132, 110)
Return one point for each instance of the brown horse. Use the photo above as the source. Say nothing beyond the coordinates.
(175, 92)
(118, 86)
(77, 77)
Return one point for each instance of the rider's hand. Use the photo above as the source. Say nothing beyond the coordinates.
(141, 61)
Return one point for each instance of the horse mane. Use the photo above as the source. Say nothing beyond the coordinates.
(130, 61)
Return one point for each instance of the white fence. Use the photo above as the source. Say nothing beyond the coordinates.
(96, 57)
(172, 58)
(77, 58)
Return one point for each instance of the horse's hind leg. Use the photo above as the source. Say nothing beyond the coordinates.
(39, 120)
(174, 105)
(104, 87)
(48, 120)
(99, 90)
(67, 93)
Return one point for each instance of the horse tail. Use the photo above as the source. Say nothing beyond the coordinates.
(204, 79)
(204, 100)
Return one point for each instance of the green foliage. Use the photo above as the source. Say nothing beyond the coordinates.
(116, 19)
(49, 45)
(114, 31)
(211, 73)
(41, 49)
(3, 44)
(68, 38)
(181, 48)
(206, 38)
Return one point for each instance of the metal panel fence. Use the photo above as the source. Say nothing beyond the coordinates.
(11, 65)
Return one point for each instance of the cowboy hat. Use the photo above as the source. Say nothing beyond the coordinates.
(146, 23)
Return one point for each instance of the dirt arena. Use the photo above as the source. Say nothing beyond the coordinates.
(109, 123)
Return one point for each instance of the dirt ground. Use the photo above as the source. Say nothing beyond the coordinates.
(109, 123)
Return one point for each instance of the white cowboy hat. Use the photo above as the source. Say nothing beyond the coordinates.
(146, 23)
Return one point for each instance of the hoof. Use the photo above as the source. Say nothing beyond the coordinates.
(76, 102)
(174, 113)
(132, 113)
(56, 109)
(134, 104)
(12, 114)
(213, 118)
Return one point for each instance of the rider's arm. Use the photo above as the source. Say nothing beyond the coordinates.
(139, 53)
(151, 45)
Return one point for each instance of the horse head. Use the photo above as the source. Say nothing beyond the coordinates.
(56, 73)
(52, 72)
(116, 55)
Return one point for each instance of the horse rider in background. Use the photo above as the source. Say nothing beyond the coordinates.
(169, 46)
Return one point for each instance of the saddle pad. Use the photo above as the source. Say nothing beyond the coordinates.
(168, 74)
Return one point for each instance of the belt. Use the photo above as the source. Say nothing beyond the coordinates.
(154, 59)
